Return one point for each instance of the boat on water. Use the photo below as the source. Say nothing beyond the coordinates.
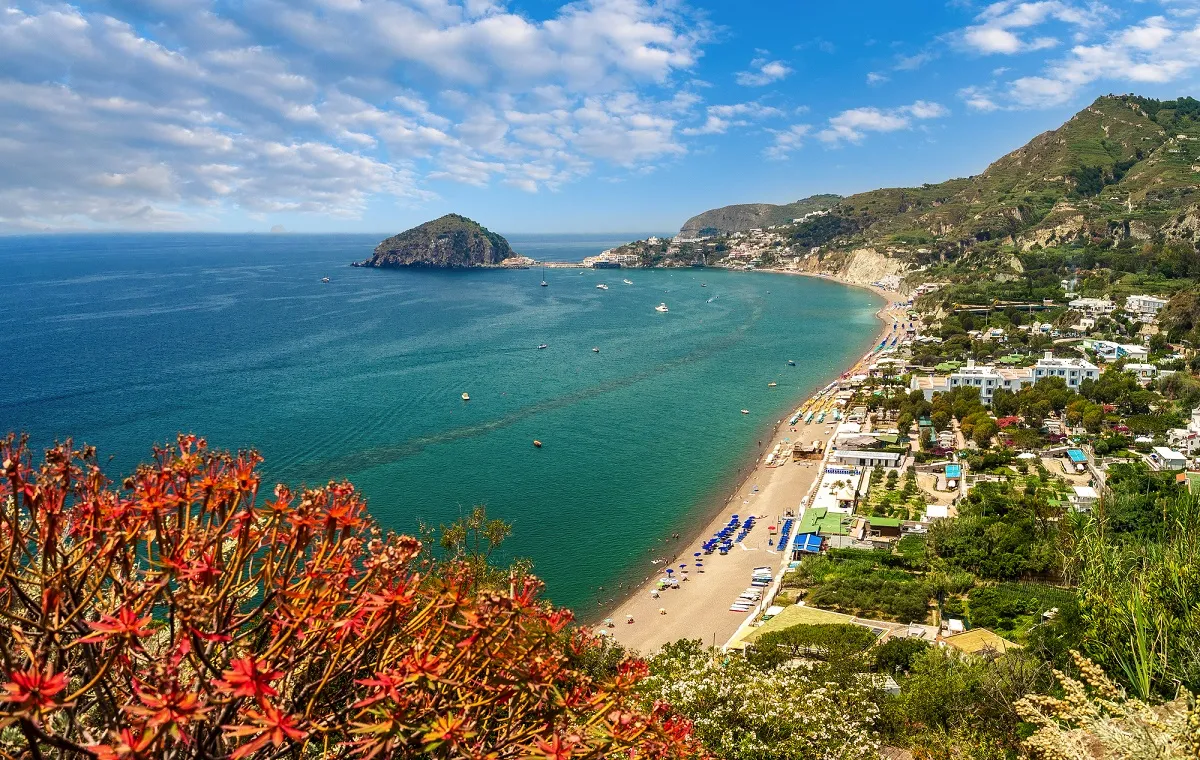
(543, 345)
(711, 299)
(627, 282)
(661, 307)
(324, 279)
(537, 444)
(595, 350)
(544, 283)
(791, 362)
(602, 286)
(466, 397)
(704, 284)
(745, 411)
(772, 385)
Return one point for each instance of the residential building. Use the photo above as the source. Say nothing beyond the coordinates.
(1145, 372)
(1082, 498)
(1093, 307)
(929, 385)
(1074, 371)
(1110, 351)
(1187, 439)
(1144, 308)
(989, 379)
(866, 458)
(1162, 458)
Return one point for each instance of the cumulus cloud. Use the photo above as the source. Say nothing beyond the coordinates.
(763, 72)
(176, 117)
(875, 78)
(854, 125)
(787, 141)
(1155, 50)
(1003, 28)
(720, 118)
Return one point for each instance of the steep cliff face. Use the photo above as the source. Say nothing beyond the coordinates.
(450, 242)
(748, 216)
(862, 266)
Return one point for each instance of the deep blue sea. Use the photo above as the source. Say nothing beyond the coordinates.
(122, 341)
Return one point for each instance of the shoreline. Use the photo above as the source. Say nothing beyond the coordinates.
(787, 482)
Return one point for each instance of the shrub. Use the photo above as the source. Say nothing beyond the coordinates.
(180, 615)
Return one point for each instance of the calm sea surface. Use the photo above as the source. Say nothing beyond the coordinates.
(122, 341)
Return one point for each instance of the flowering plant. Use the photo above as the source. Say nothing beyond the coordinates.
(181, 615)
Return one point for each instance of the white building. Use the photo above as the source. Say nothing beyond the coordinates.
(1166, 459)
(1074, 371)
(989, 379)
(1093, 307)
(1144, 308)
(1145, 372)
(1187, 439)
(1110, 351)
(1083, 498)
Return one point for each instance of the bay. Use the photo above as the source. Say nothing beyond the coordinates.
(122, 341)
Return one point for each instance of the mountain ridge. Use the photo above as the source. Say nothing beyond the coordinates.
(746, 216)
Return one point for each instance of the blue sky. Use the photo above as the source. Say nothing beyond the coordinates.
(535, 116)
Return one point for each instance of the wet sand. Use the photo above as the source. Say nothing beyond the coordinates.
(699, 608)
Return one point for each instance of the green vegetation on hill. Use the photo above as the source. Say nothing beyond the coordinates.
(746, 216)
(451, 241)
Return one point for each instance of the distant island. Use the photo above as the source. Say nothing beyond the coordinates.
(450, 242)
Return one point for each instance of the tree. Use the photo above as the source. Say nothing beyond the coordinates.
(826, 643)
(896, 656)
(181, 615)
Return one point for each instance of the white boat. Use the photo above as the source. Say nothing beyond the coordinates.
(544, 277)
(466, 397)
(627, 282)
(772, 385)
(595, 350)
(602, 286)
(745, 411)
(324, 279)
(544, 345)
(661, 307)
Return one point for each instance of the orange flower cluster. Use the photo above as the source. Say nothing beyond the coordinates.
(181, 615)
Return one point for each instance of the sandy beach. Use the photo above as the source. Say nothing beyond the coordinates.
(699, 608)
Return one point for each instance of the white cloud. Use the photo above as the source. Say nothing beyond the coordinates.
(1001, 26)
(977, 99)
(720, 118)
(875, 78)
(762, 72)
(786, 141)
(853, 125)
(182, 115)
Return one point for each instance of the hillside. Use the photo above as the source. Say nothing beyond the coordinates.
(451, 241)
(748, 216)
(1124, 166)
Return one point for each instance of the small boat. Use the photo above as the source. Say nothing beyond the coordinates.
(791, 363)
(772, 385)
(466, 397)
(745, 411)
(704, 284)
(602, 286)
(595, 350)
(324, 279)
(543, 345)
(627, 282)
(711, 299)
(537, 444)
(661, 307)
(544, 277)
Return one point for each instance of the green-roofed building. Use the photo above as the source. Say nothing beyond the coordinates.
(834, 524)
(1013, 359)
(947, 366)
(810, 522)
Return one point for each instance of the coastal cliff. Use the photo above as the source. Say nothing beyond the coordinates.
(450, 242)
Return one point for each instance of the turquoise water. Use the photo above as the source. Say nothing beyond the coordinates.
(122, 341)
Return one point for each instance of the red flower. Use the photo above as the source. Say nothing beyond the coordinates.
(126, 624)
(248, 678)
(33, 690)
(270, 725)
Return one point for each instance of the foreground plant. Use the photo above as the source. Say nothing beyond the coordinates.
(182, 616)
(1096, 720)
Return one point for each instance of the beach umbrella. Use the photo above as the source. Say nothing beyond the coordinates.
(669, 571)
(696, 554)
(608, 622)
